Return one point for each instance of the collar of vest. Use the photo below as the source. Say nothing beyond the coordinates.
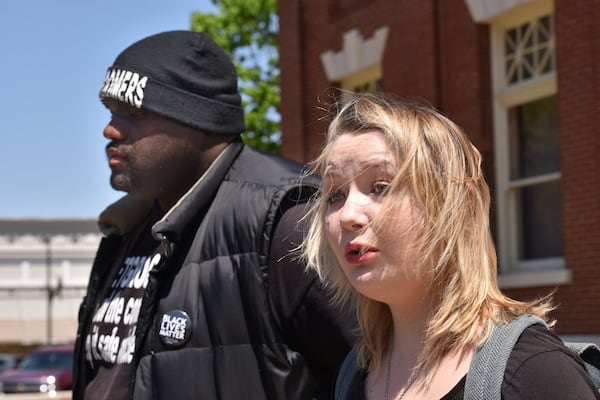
(199, 197)
(123, 215)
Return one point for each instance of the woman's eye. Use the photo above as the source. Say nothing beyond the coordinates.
(334, 197)
(380, 188)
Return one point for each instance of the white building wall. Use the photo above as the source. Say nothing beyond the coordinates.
(29, 264)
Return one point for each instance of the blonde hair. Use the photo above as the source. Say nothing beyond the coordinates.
(440, 169)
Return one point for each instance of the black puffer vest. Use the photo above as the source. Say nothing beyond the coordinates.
(213, 270)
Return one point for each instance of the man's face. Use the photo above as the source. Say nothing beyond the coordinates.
(152, 156)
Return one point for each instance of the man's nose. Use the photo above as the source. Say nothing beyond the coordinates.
(111, 132)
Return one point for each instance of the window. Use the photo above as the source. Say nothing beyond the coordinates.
(527, 148)
(533, 140)
(528, 50)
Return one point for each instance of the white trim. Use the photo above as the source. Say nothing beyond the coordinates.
(522, 13)
(549, 277)
(356, 54)
(486, 10)
(15, 285)
(535, 180)
(525, 92)
(542, 264)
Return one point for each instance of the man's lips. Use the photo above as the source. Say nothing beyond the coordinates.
(114, 156)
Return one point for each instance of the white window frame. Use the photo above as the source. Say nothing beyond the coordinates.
(514, 272)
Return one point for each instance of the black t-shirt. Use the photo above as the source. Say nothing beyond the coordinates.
(301, 306)
(539, 367)
(110, 341)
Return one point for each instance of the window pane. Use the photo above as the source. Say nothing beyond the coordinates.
(544, 61)
(511, 75)
(528, 38)
(541, 221)
(528, 65)
(522, 33)
(510, 40)
(534, 138)
(544, 29)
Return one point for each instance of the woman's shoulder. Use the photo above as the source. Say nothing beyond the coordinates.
(543, 367)
(537, 338)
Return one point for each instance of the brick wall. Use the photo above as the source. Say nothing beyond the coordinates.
(436, 53)
(578, 65)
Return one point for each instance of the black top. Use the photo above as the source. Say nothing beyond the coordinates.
(539, 367)
(301, 305)
(309, 323)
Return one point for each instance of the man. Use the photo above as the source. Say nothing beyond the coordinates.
(194, 292)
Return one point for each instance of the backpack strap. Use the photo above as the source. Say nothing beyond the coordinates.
(346, 375)
(486, 372)
(590, 354)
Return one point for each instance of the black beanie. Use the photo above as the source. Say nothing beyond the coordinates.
(181, 75)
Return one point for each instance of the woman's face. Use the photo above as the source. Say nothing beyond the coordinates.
(379, 259)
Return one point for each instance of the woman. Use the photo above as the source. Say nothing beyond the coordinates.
(402, 231)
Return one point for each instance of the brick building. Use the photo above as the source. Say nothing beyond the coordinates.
(521, 77)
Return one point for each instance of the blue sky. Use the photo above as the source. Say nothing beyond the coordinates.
(53, 57)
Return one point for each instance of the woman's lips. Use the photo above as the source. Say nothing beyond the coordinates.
(357, 253)
(360, 258)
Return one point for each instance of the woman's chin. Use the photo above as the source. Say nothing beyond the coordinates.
(366, 281)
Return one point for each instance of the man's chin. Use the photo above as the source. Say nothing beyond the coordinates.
(119, 183)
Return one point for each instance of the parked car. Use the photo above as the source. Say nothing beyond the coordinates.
(45, 369)
(9, 361)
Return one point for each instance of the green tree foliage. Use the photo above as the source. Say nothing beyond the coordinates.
(248, 31)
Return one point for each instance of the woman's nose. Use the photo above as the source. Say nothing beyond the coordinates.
(353, 214)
